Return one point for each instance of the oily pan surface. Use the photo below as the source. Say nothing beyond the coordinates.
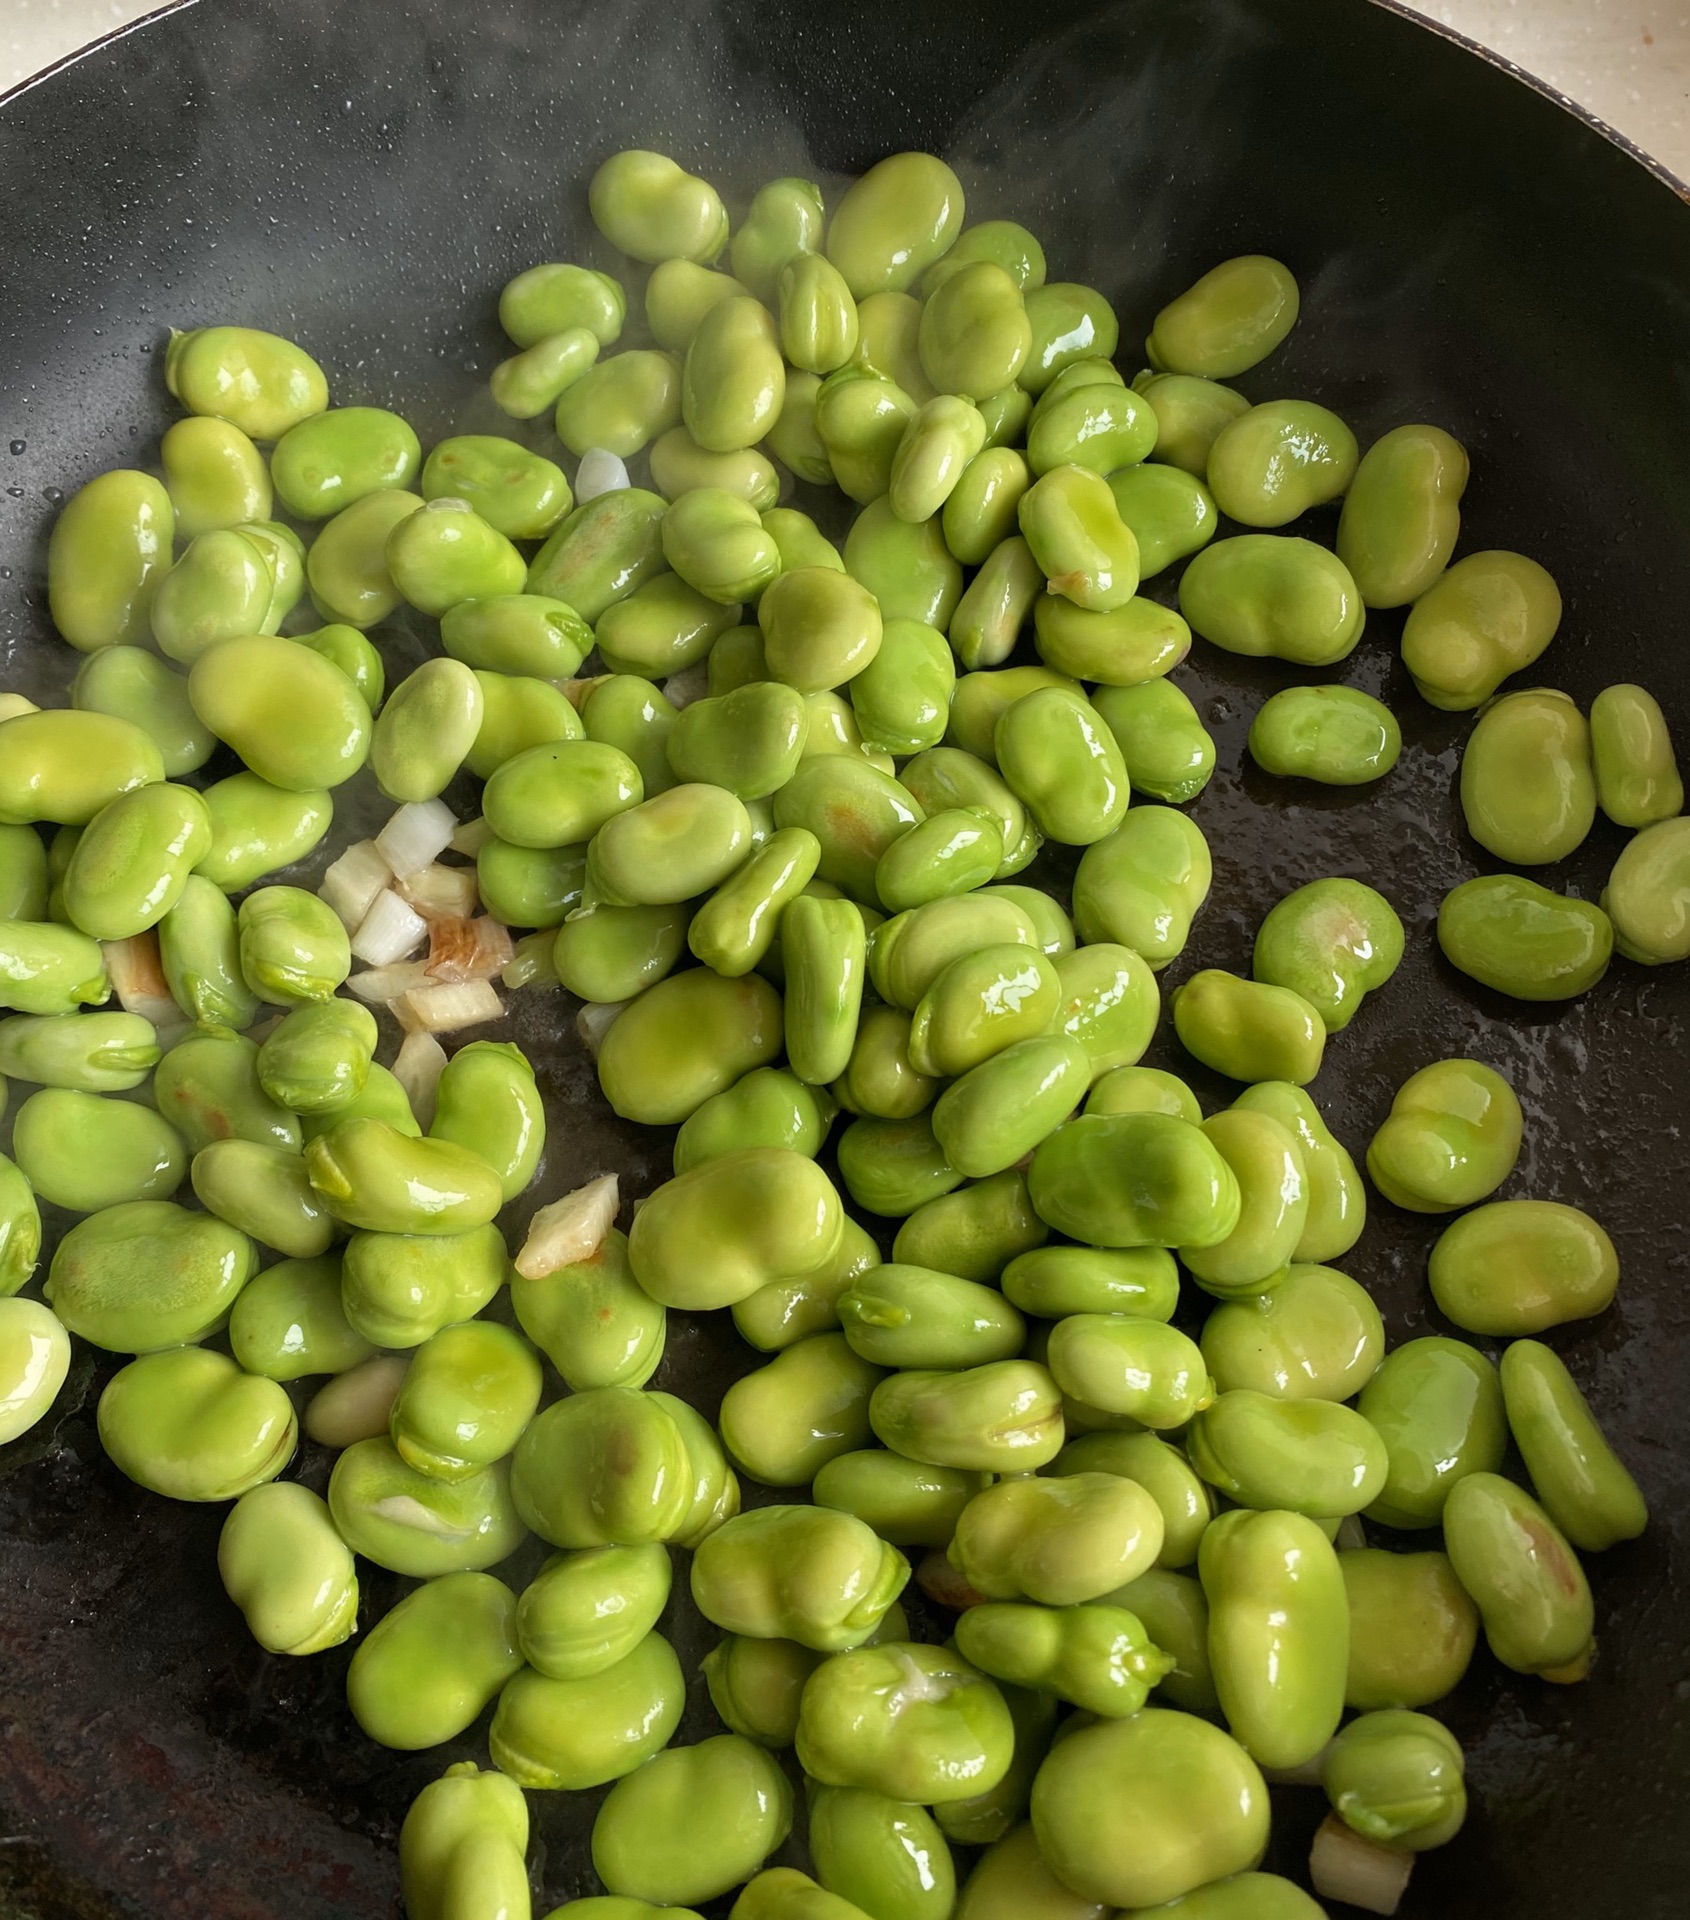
(365, 180)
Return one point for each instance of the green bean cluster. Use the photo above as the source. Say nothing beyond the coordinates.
(762, 801)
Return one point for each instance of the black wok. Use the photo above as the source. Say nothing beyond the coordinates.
(364, 176)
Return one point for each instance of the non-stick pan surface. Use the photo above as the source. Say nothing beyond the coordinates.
(364, 174)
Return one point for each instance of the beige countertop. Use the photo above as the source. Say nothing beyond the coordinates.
(1627, 60)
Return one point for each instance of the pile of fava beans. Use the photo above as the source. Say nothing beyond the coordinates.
(766, 807)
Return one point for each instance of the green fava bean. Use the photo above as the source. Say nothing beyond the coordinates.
(1249, 1029)
(1159, 1470)
(797, 1573)
(189, 1424)
(1304, 1456)
(693, 1822)
(526, 384)
(880, 1079)
(1412, 1628)
(552, 298)
(467, 1396)
(134, 860)
(1191, 1806)
(1518, 1266)
(318, 1059)
(883, 1855)
(1005, 243)
(147, 1275)
(650, 208)
(83, 1151)
(583, 1612)
(256, 381)
(748, 741)
(1274, 463)
(982, 1003)
(783, 1311)
(1054, 1282)
(263, 1190)
(131, 684)
(602, 552)
(902, 697)
(889, 343)
(560, 794)
(1064, 764)
(1274, 1202)
(222, 587)
(257, 828)
(488, 1104)
(795, 441)
(570, 1734)
(913, 949)
(684, 1039)
(1176, 1616)
(800, 540)
(1524, 1578)
(1451, 1138)
(1486, 617)
(912, 1722)
(92, 1052)
(628, 712)
(1136, 642)
(1339, 736)
(855, 812)
(1143, 885)
(1004, 1107)
(1012, 1882)
(894, 221)
(1331, 942)
(1278, 1633)
(240, 687)
(1144, 1090)
(288, 1322)
(592, 1319)
(293, 947)
(783, 1893)
(975, 335)
(1241, 1896)
(215, 475)
(784, 221)
(818, 316)
(1648, 895)
(993, 610)
(906, 1316)
(980, 510)
(609, 1467)
(1637, 777)
(382, 1098)
(355, 656)
(1179, 1190)
(905, 1502)
(1170, 512)
(1098, 1657)
(64, 766)
(611, 953)
(661, 628)
(823, 953)
(1509, 933)
(890, 1167)
(1437, 1405)
(1337, 1201)
(1402, 514)
(520, 493)
(426, 1670)
(1165, 749)
(1126, 1365)
(1070, 323)
(24, 880)
(718, 544)
(517, 713)
(1098, 425)
(207, 1086)
(784, 1421)
(1228, 321)
(1003, 1417)
(1087, 552)
(936, 446)
(859, 420)
(462, 1845)
(446, 552)
(973, 1232)
(678, 295)
(325, 463)
(49, 969)
(820, 628)
(289, 1572)
(415, 1524)
(347, 564)
(284, 555)
(107, 554)
(1396, 1779)
(1273, 595)
(714, 1235)
(1584, 1487)
(522, 633)
(370, 1175)
(905, 566)
(733, 383)
(1059, 1542)
(946, 778)
(1190, 415)
(734, 929)
(1527, 789)
(1316, 1336)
